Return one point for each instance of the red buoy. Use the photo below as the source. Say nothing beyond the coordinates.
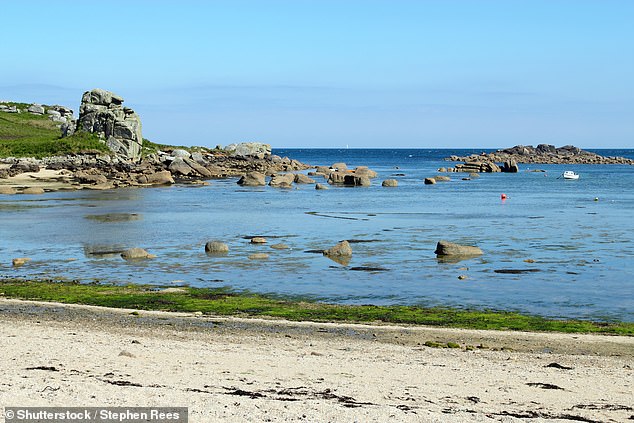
(503, 196)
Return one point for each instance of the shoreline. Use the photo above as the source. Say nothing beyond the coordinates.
(230, 368)
(227, 302)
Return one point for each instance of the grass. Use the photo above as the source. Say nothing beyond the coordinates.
(221, 301)
(27, 135)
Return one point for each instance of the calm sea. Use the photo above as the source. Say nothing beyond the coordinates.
(570, 241)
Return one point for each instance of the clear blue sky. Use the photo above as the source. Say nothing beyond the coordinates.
(363, 73)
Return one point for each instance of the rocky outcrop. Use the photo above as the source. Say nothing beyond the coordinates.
(544, 154)
(36, 109)
(390, 183)
(476, 167)
(102, 113)
(154, 169)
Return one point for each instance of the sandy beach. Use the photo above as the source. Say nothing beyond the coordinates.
(234, 369)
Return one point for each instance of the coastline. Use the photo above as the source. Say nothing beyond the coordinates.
(228, 368)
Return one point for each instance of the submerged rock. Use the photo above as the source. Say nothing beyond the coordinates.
(136, 254)
(390, 183)
(341, 249)
(446, 248)
(216, 247)
(20, 261)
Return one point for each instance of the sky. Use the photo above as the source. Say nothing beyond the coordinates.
(336, 73)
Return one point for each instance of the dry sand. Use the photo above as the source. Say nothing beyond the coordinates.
(47, 179)
(231, 369)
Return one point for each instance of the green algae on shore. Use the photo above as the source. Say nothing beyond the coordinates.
(223, 301)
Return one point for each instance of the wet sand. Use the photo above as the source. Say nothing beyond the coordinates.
(234, 369)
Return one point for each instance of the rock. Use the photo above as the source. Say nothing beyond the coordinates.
(337, 177)
(320, 186)
(136, 254)
(33, 190)
(183, 154)
(339, 167)
(252, 179)
(258, 240)
(179, 167)
(101, 112)
(159, 178)
(349, 179)
(300, 178)
(282, 180)
(249, 149)
(430, 181)
(510, 166)
(390, 183)
(7, 190)
(216, 247)
(440, 178)
(20, 261)
(258, 256)
(68, 129)
(90, 177)
(198, 168)
(361, 181)
(125, 353)
(23, 166)
(342, 249)
(280, 247)
(197, 156)
(446, 248)
(36, 109)
(364, 171)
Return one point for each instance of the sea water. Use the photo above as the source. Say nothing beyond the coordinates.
(553, 247)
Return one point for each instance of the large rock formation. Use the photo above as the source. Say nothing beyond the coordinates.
(101, 112)
(543, 153)
(249, 149)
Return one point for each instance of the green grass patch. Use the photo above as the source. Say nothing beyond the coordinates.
(222, 301)
(28, 135)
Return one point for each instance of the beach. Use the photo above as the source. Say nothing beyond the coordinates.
(241, 369)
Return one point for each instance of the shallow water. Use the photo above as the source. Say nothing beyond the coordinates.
(574, 253)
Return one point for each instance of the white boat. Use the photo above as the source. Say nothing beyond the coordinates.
(569, 174)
